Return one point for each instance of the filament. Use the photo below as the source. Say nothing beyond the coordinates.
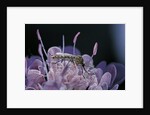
(63, 50)
(39, 37)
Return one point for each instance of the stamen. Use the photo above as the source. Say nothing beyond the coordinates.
(95, 49)
(39, 37)
(74, 41)
(45, 68)
(63, 50)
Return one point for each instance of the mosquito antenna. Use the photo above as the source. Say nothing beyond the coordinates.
(82, 73)
(74, 42)
(39, 37)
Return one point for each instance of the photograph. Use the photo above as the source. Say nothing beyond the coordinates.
(74, 56)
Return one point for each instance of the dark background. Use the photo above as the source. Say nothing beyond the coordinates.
(110, 38)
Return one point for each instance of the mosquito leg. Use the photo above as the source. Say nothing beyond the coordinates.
(68, 62)
(80, 67)
(63, 60)
(56, 62)
(65, 68)
(85, 69)
(82, 73)
(73, 62)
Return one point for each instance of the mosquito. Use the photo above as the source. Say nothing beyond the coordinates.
(62, 56)
(75, 59)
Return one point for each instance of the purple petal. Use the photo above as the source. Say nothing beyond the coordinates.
(41, 69)
(80, 70)
(30, 88)
(88, 61)
(63, 87)
(102, 65)
(69, 49)
(64, 70)
(104, 86)
(32, 59)
(112, 69)
(82, 85)
(34, 77)
(35, 64)
(99, 74)
(40, 80)
(106, 78)
(92, 87)
(115, 87)
(50, 85)
(58, 80)
(120, 73)
(98, 88)
(53, 50)
(74, 81)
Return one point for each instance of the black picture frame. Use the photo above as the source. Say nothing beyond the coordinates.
(24, 3)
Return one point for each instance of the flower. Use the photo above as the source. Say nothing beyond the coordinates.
(34, 73)
(63, 70)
